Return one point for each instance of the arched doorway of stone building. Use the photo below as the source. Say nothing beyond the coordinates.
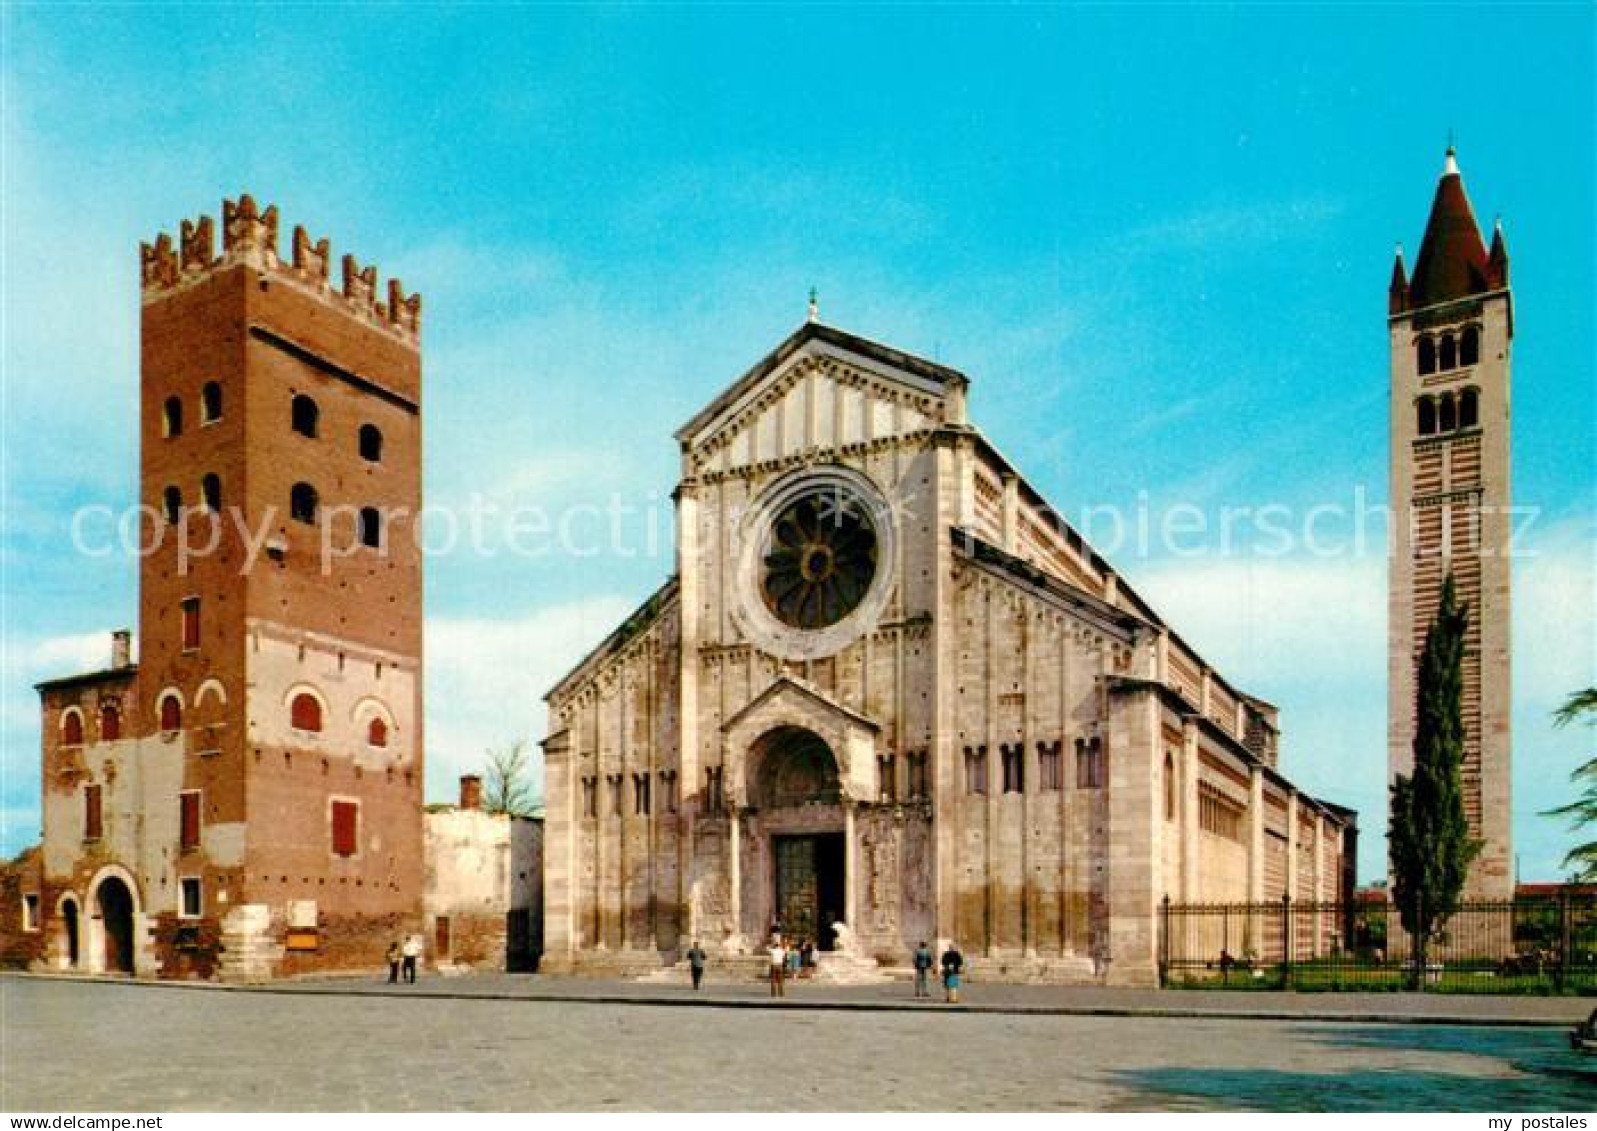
(798, 801)
(115, 904)
(69, 932)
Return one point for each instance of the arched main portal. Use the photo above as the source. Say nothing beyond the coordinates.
(797, 801)
(115, 904)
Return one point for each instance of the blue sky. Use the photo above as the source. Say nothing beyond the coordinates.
(1157, 239)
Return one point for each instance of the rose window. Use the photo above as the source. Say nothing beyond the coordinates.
(820, 559)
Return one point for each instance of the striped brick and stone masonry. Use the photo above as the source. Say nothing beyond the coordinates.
(1451, 333)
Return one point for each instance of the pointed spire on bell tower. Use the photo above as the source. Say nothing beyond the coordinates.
(1397, 293)
(1452, 262)
(1498, 258)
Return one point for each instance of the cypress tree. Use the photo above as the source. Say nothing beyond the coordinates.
(1429, 839)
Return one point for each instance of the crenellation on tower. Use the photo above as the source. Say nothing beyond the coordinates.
(311, 259)
(197, 243)
(249, 238)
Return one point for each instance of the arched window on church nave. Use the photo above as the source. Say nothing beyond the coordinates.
(1448, 357)
(172, 417)
(1448, 416)
(1469, 408)
(1469, 346)
(1425, 416)
(1425, 355)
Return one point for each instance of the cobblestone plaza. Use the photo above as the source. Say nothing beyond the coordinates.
(153, 1048)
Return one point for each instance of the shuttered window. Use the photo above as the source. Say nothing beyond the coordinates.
(305, 713)
(189, 803)
(346, 815)
(92, 827)
(191, 623)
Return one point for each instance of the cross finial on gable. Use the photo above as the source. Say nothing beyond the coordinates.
(815, 305)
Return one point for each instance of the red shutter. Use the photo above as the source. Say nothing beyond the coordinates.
(345, 814)
(306, 713)
(377, 734)
(190, 835)
(92, 827)
(110, 723)
(72, 730)
(191, 623)
(171, 713)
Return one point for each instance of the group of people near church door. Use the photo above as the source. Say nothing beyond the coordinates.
(953, 965)
(788, 961)
(402, 956)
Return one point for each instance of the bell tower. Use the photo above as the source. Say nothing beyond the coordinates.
(1451, 327)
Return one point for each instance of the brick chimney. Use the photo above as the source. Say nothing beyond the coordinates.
(470, 791)
(121, 648)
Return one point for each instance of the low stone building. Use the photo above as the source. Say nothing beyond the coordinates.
(482, 898)
(889, 685)
(23, 942)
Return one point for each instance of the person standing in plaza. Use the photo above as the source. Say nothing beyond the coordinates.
(411, 952)
(953, 963)
(778, 956)
(393, 962)
(696, 963)
(923, 970)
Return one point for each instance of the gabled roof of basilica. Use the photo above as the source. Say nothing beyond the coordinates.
(806, 335)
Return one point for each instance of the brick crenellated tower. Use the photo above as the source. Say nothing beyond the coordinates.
(248, 796)
(1452, 329)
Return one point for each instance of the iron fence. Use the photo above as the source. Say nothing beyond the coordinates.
(1540, 945)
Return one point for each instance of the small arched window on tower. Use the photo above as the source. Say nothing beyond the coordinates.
(371, 443)
(1425, 355)
(1469, 408)
(1449, 355)
(171, 712)
(305, 713)
(72, 729)
(306, 416)
(371, 527)
(1469, 346)
(210, 403)
(302, 502)
(377, 733)
(211, 490)
(1448, 417)
(172, 504)
(1425, 416)
(172, 417)
(110, 723)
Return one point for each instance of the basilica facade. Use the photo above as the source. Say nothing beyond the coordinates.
(889, 686)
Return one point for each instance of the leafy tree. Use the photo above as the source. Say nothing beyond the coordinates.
(506, 784)
(1429, 836)
(1582, 859)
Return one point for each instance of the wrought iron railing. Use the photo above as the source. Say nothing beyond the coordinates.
(1531, 945)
